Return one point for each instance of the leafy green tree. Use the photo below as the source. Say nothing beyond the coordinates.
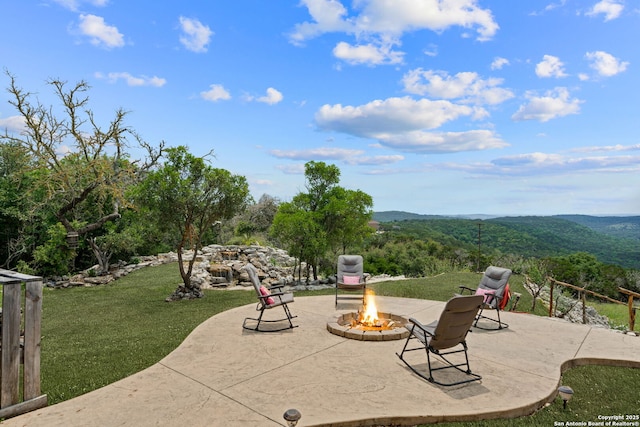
(253, 224)
(299, 233)
(346, 217)
(186, 197)
(14, 160)
(82, 170)
(327, 218)
(579, 269)
(53, 257)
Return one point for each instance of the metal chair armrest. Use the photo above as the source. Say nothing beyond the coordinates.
(423, 328)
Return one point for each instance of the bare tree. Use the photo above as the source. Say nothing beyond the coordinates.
(84, 168)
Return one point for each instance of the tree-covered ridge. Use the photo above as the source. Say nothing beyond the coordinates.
(527, 236)
(388, 216)
(627, 227)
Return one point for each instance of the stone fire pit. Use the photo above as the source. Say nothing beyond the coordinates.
(388, 327)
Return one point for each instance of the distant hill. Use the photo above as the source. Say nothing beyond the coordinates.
(627, 227)
(613, 240)
(390, 216)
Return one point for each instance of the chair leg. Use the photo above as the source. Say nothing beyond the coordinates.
(260, 320)
(430, 379)
(471, 376)
(287, 312)
(352, 298)
(501, 324)
(467, 369)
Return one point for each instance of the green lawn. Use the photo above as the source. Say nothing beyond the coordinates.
(94, 336)
(97, 335)
(618, 314)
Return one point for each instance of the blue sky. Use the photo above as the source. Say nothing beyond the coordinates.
(433, 107)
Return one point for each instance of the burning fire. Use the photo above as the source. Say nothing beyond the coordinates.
(369, 315)
(368, 319)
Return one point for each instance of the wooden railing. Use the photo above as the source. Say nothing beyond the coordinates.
(582, 295)
(19, 349)
(632, 309)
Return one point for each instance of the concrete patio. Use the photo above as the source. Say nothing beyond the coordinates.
(222, 375)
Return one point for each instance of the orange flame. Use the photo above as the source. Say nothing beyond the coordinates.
(369, 315)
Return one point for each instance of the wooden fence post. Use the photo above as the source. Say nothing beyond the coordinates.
(10, 345)
(551, 299)
(17, 348)
(632, 314)
(632, 309)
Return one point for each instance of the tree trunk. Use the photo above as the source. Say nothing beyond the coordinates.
(102, 256)
(186, 275)
(187, 290)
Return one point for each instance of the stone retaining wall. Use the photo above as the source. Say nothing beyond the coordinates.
(216, 266)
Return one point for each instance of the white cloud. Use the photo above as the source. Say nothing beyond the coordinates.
(549, 8)
(292, 169)
(375, 160)
(378, 25)
(272, 97)
(466, 86)
(196, 36)
(63, 150)
(550, 66)
(555, 103)
(99, 32)
(442, 142)
(431, 51)
(328, 16)
(216, 93)
(617, 147)
(263, 182)
(399, 16)
(389, 115)
(348, 156)
(132, 80)
(74, 5)
(324, 153)
(12, 124)
(498, 63)
(367, 54)
(404, 124)
(564, 164)
(530, 164)
(611, 9)
(606, 64)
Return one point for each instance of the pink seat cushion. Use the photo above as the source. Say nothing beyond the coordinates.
(350, 280)
(486, 293)
(265, 292)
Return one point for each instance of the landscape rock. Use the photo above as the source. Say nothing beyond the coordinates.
(215, 267)
(570, 310)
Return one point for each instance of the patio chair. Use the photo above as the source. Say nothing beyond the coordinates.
(447, 333)
(350, 277)
(494, 287)
(267, 299)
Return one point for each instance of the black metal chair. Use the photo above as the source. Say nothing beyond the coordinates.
(448, 332)
(267, 299)
(350, 277)
(494, 287)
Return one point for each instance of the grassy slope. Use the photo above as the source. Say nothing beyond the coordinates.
(95, 336)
